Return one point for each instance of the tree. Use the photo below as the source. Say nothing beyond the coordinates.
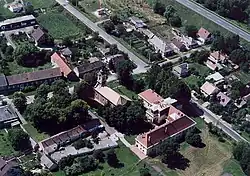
(144, 171)
(23, 50)
(99, 155)
(159, 8)
(238, 56)
(218, 43)
(112, 158)
(67, 41)
(109, 26)
(191, 30)
(238, 150)
(151, 76)
(169, 12)
(115, 19)
(180, 91)
(19, 139)
(66, 161)
(113, 49)
(193, 139)
(29, 9)
(20, 101)
(175, 21)
(42, 91)
(124, 71)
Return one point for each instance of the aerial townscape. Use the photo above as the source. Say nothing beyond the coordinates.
(124, 88)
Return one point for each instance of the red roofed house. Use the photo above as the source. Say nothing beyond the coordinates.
(149, 98)
(176, 123)
(215, 60)
(204, 36)
(209, 89)
(64, 66)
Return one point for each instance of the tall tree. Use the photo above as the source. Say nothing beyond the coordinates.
(124, 71)
(20, 101)
(159, 8)
(19, 139)
(191, 30)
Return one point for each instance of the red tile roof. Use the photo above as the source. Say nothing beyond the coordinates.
(151, 96)
(203, 33)
(168, 129)
(61, 63)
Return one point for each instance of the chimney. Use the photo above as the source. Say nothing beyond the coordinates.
(166, 129)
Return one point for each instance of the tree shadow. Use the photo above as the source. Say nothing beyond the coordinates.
(177, 161)
(117, 165)
(200, 145)
(192, 110)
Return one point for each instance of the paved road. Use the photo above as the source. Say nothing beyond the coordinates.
(217, 121)
(140, 64)
(218, 20)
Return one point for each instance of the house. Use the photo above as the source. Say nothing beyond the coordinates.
(15, 7)
(20, 81)
(138, 23)
(180, 46)
(64, 66)
(66, 52)
(181, 70)
(8, 117)
(3, 84)
(18, 22)
(105, 95)
(150, 97)
(39, 36)
(5, 166)
(86, 69)
(216, 77)
(223, 99)
(215, 60)
(204, 36)
(176, 123)
(47, 162)
(209, 89)
(189, 42)
(161, 46)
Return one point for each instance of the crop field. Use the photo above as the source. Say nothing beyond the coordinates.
(58, 25)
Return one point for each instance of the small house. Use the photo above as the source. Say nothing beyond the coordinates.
(181, 70)
(204, 36)
(209, 89)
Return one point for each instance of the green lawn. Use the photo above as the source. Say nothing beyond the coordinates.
(191, 81)
(42, 3)
(131, 139)
(232, 166)
(244, 77)
(37, 136)
(5, 147)
(17, 69)
(200, 123)
(4, 12)
(189, 17)
(202, 69)
(89, 5)
(122, 90)
(58, 25)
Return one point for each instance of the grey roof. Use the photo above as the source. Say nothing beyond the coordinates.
(182, 68)
(88, 67)
(6, 166)
(3, 81)
(66, 51)
(7, 113)
(37, 34)
(46, 161)
(17, 20)
(159, 44)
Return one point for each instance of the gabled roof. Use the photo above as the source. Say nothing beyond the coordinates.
(66, 52)
(182, 68)
(3, 81)
(150, 96)
(175, 123)
(37, 34)
(88, 67)
(224, 100)
(61, 63)
(203, 33)
(178, 43)
(5, 166)
(209, 88)
(111, 95)
(159, 44)
(219, 56)
(216, 76)
(33, 76)
(7, 113)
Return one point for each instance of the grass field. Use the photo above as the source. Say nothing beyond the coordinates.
(41, 3)
(58, 25)
(232, 166)
(244, 77)
(4, 12)
(202, 69)
(131, 139)
(5, 147)
(190, 17)
(34, 133)
(17, 69)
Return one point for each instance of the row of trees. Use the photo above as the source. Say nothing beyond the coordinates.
(59, 112)
(168, 12)
(171, 86)
(235, 9)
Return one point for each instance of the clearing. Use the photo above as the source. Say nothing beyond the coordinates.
(37, 136)
(58, 25)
